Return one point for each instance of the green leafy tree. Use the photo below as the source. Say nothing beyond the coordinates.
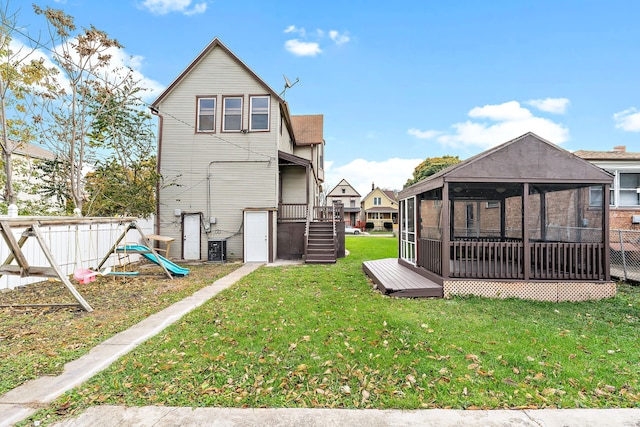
(430, 166)
(125, 182)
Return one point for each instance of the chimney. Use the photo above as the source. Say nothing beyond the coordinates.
(620, 149)
(373, 186)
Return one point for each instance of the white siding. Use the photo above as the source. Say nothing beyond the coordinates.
(217, 174)
(294, 188)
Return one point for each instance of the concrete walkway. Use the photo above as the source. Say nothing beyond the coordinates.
(23, 401)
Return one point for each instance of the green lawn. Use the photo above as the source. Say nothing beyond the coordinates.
(320, 336)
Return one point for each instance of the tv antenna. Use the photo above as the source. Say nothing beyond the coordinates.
(287, 85)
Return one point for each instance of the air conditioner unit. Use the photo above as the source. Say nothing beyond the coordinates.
(635, 219)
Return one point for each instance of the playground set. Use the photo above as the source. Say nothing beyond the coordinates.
(82, 275)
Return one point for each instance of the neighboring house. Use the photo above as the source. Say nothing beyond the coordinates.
(624, 195)
(243, 174)
(345, 194)
(380, 207)
(26, 174)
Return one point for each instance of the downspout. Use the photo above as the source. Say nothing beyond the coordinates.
(156, 112)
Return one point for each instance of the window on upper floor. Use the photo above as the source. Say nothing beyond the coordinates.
(206, 116)
(377, 201)
(232, 113)
(259, 106)
(628, 189)
(352, 203)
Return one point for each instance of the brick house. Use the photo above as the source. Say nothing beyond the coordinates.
(624, 197)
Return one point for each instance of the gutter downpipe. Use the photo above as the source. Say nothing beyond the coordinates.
(156, 112)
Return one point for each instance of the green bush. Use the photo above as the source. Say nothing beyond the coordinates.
(368, 226)
(388, 226)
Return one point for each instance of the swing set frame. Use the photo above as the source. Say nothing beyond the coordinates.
(32, 226)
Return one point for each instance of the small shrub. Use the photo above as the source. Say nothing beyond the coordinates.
(388, 226)
(369, 226)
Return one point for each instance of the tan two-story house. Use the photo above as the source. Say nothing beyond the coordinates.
(241, 175)
(380, 209)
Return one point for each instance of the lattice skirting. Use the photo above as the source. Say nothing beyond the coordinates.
(539, 291)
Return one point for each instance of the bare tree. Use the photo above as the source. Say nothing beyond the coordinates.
(87, 77)
(23, 77)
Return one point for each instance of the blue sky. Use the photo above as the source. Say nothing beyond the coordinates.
(401, 81)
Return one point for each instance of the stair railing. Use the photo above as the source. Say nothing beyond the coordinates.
(306, 232)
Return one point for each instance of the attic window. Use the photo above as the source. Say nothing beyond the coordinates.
(344, 190)
(206, 120)
(232, 114)
(259, 106)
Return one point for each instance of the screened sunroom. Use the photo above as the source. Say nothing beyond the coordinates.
(524, 219)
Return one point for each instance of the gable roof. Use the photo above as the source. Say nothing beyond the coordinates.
(343, 183)
(308, 129)
(389, 194)
(527, 158)
(606, 155)
(215, 44)
(32, 151)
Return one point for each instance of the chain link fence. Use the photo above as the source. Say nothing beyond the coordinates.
(625, 254)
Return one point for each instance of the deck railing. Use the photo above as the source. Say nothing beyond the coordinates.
(292, 212)
(328, 213)
(430, 253)
(487, 260)
(505, 260)
(573, 261)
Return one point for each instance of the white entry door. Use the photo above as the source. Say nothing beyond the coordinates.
(191, 236)
(256, 236)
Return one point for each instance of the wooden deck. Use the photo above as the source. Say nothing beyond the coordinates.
(396, 280)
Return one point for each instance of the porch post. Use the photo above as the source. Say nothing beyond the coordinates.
(606, 259)
(503, 219)
(526, 270)
(543, 216)
(446, 231)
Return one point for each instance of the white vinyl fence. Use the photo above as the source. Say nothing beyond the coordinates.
(73, 246)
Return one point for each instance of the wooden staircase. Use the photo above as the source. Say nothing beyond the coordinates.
(321, 247)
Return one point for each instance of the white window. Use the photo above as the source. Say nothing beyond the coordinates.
(629, 189)
(232, 114)
(595, 196)
(377, 201)
(259, 106)
(206, 120)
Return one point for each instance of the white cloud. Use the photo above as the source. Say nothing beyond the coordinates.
(293, 29)
(502, 122)
(501, 112)
(628, 120)
(339, 38)
(389, 174)
(164, 7)
(550, 105)
(423, 134)
(300, 48)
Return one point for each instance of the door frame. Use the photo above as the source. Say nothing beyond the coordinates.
(199, 214)
(269, 212)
